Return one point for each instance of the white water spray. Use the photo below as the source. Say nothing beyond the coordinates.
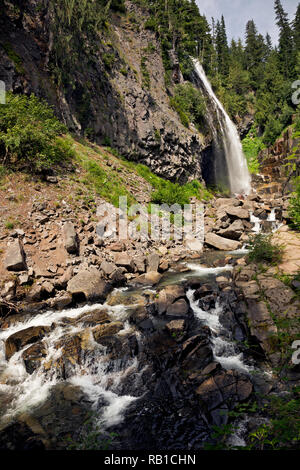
(239, 177)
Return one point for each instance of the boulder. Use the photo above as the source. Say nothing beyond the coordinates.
(167, 297)
(139, 263)
(89, 284)
(153, 261)
(228, 387)
(124, 260)
(148, 279)
(107, 268)
(61, 301)
(237, 213)
(221, 243)
(33, 356)
(15, 257)
(234, 231)
(109, 329)
(18, 340)
(227, 202)
(70, 238)
(176, 328)
(180, 308)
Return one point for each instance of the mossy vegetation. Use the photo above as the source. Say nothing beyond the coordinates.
(14, 57)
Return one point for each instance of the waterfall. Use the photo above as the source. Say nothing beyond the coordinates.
(235, 161)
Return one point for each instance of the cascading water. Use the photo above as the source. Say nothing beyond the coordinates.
(235, 162)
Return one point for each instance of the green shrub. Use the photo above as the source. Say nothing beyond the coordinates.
(109, 60)
(189, 103)
(294, 209)
(174, 193)
(252, 145)
(29, 134)
(261, 249)
(170, 194)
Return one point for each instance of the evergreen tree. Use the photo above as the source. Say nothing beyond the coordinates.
(222, 47)
(296, 29)
(286, 43)
(255, 54)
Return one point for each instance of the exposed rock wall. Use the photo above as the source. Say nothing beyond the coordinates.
(109, 102)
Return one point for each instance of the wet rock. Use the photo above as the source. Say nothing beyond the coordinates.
(15, 257)
(221, 243)
(262, 326)
(129, 298)
(228, 387)
(176, 328)
(89, 285)
(106, 330)
(62, 415)
(18, 340)
(96, 317)
(180, 308)
(70, 238)
(61, 301)
(18, 436)
(168, 296)
(208, 302)
(203, 291)
(33, 356)
(148, 279)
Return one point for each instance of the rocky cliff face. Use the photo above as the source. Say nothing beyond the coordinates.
(274, 161)
(115, 92)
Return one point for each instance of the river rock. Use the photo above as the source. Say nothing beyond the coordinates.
(176, 328)
(89, 283)
(168, 296)
(180, 308)
(106, 330)
(61, 301)
(18, 340)
(230, 387)
(33, 356)
(147, 279)
(221, 243)
(15, 257)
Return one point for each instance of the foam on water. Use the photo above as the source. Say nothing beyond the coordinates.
(97, 375)
(224, 349)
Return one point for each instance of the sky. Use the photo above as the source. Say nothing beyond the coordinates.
(238, 12)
